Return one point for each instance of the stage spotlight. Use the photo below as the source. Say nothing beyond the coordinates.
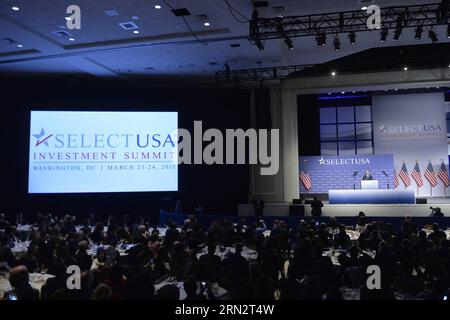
(318, 41)
(352, 37)
(280, 30)
(259, 45)
(289, 43)
(419, 31)
(433, 36)
(448, 31)
(398, 32)
(337, 44)
(383, 35)
(321, 39)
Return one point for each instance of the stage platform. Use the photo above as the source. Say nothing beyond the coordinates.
(379, 196)
(207, 219)
(351, 210)
(376, 210)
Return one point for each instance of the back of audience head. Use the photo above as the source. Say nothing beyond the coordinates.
(102, 292)
(18, 276)
(168, 292)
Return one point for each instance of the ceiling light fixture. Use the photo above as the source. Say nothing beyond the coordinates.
(157, 7)
(259, 45)
(337, 44)
(289, 43)
(321, 39)
(433, 36)
(15, 8)
(352, 37)
(398, 32)
(419, 31)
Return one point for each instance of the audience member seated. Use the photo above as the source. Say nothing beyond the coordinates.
(54, 284)
(168, 292)
(127, 259)
(84, 261)
(20, 282)
(191, 287)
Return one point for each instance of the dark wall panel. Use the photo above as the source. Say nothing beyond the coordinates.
(308, 125)
(219, 188)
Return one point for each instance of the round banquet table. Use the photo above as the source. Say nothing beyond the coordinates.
(37, 280)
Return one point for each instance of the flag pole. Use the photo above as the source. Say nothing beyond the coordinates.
(404, 184)
(418, 172)
(443, 182)
(431, 187)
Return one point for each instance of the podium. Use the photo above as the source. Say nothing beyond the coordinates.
(382, 196)
(369, 184)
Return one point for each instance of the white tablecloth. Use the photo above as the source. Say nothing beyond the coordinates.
(162, 230)
(37, 280)
(20, 248)
(350, 294)
(24, 227)
(121, 248)
(222, 252)
(217, 291)
(334, 254)
(429, 231)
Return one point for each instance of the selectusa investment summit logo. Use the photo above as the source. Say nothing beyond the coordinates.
(408, 131)
(104, 141)
(42, 138)
(382, 129)
(343, 161)
(212, 146)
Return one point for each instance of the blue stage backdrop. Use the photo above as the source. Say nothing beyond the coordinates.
(337, 172)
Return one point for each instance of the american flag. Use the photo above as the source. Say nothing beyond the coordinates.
(306, 180)
(403, 174)
(430, 175)
(395, 180)
(417, 176)
(443, 175)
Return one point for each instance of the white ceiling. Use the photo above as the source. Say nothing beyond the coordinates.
(164, 48)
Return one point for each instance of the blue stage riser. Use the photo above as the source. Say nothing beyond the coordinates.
(206, 220)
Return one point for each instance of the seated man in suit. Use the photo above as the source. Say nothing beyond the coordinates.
(22, 290)
(367, 175)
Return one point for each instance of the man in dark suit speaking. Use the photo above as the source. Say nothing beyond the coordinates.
(367, 175)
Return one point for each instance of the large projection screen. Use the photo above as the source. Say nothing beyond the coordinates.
(102, 152)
